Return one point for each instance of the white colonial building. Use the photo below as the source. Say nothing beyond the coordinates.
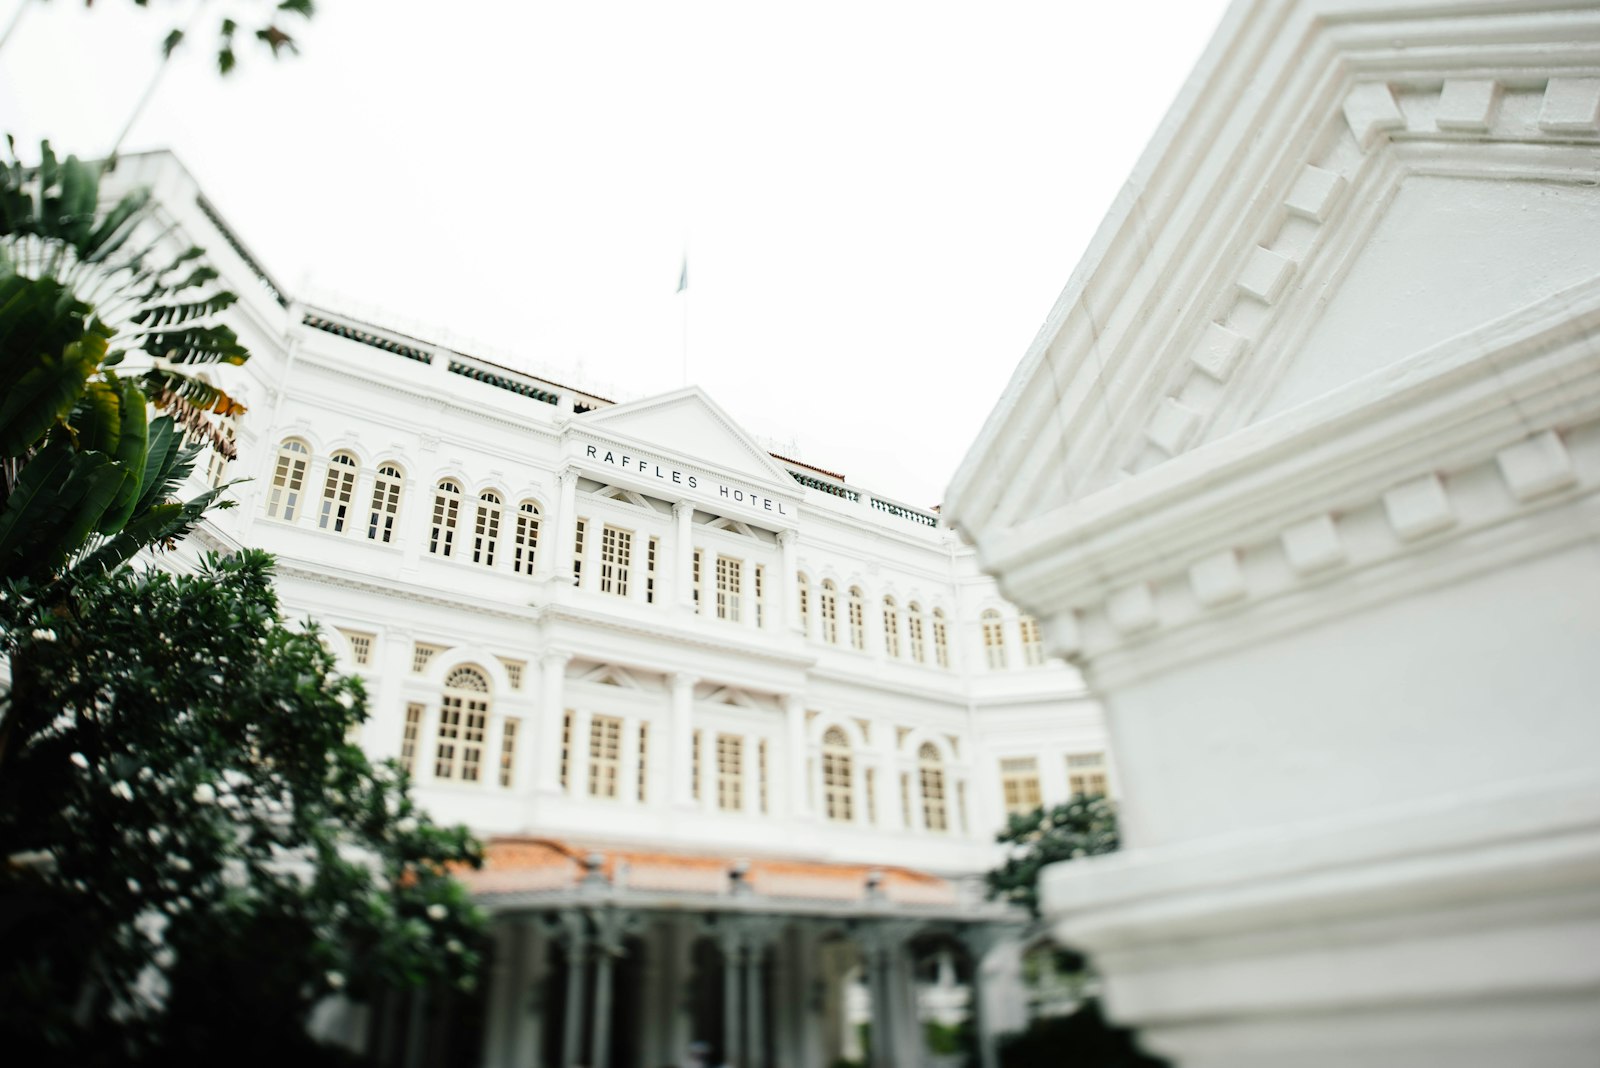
(1302, 470)
(739, 732)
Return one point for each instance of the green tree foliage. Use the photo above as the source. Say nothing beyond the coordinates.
(1083, 827)
(265, 20)
(88, 479)
(194, 854)
(1084, 1039)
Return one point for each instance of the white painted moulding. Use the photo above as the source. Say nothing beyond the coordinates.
(1314, 193)
(1266, 274)
(1172, 426)
(1132, 608)
(1217, 579)
(1419, 507)
(1536, 466)
(1219, 349)
(1371, 111)
(1571, 105)
(1313, 545)
(1467, 104)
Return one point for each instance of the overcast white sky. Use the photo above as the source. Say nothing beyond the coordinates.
(880, 200)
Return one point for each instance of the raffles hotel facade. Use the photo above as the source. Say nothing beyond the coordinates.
(738, 732)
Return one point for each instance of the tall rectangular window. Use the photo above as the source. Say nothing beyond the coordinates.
(385, 504)
(409, 737)
(935, 815)
(730, 772)
(994, 640)
(761, 775)
(566, 749)
(526, 540)
(1086, 774)
(463, 719)
(337, 492)
(905, 799)
(871, 785)
(652, 554)
(728, 596)
(1032, 643)
(694, 765)
(803, 602)
(605, 748)
(446, 511)
(696, 581)
(1019, 784)
(486, 530)
(616, 553)
(508, 750)
(578, 532)
(644, 759)
(761, 595)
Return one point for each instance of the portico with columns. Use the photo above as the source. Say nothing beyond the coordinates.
(754, 965)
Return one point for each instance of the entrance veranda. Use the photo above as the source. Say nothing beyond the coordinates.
(614, 969)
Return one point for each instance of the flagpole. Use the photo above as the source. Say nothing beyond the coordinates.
(683, 313)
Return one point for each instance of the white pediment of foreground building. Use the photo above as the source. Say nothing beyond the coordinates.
(688, 424)
(1340, 190)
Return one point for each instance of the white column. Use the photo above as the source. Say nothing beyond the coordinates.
(427, 743)
(680, 739)
(732, 955)
(528, 1020)
(785, 597)
(628, 763)
(794, 764)
(890, 814)
(566, 514)
(683, 555)
(751, 766)
(756, 1053)
(552, 711)
(678, 944)
(502, 998)
(747, 593)
(708, 770)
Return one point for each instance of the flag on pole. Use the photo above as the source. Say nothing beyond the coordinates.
(683, 274)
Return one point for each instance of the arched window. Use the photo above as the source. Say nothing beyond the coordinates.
(526, 540)
(994, 640)
(941, 639)
(838, 799)
(930, 773)
(829, 610)
(919, 648)
(385, 503)
(446, 511)
(486, 530)
(288, 480)
(803, 593)
(1032, 644)
(338, 491)
(463, 722)
(858, 624)
(891, 628)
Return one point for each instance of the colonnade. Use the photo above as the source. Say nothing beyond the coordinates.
(752, 987)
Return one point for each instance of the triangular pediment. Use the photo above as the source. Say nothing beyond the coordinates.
(1440, 264)
(688, 424)
(1271, 249)
(610, 675)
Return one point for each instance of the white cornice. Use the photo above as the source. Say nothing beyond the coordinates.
(1200, 225)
